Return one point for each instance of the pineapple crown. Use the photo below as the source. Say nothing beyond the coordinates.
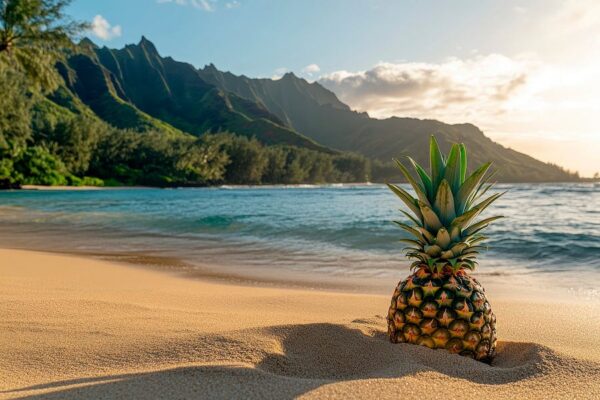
(447, 202)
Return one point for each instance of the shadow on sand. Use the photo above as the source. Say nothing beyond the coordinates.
(308, 356)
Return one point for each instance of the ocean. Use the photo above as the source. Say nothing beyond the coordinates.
(329, 231)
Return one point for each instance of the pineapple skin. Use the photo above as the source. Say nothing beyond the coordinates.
(443, 310)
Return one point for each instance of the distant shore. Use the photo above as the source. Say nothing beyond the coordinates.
(81, 328)
(226, 186)
(42, 187)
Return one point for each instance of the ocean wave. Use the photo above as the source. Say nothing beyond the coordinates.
(333, 227)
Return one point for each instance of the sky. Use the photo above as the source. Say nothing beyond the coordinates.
(526, 72)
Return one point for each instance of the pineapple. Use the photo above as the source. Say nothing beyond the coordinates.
(440, 305)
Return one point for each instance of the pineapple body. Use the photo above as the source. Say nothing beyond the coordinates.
(443, 310)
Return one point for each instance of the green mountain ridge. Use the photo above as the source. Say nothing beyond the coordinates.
(135, 88)
(316, 112)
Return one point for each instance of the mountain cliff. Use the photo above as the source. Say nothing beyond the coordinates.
(316, 112)
(134, 87)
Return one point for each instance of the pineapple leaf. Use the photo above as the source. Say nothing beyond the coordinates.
(458, 248)
(431, 262)
(423, 256)
(416, 264)
(410, 201)
(468, 187)
(425, 179)
(410, 230)
(413, 219)
(443, 238)
(485, 203)
(452, 172)
(430, 238)
(430, 218)
(439, 266)
(412, 242)
(469, 264)
(419, 189)
(470, 256)
(436, 163)
(476, 227)
(463, 162)
(464, 219)
(479, 239)
(447, 255)
(455, 233)
(444, 203)
(473, 250)
(480, 194)
(433, 250)
(474, 233)
(483, 187)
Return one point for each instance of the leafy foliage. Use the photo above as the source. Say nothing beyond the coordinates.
(38, 166)
(15, 118)
(33, 35)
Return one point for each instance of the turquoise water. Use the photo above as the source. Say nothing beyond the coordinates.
(332, 230)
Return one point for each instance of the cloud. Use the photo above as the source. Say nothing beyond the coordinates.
(102, 29)
(521, 101)
(311, 69)
(455, 90)
(205, 5)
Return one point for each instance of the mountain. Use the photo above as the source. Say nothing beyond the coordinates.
(134, 87)
(316, 112)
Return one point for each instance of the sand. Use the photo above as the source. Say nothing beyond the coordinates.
(73, 327)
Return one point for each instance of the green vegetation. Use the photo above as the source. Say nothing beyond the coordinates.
(34, 34)
(152, 158)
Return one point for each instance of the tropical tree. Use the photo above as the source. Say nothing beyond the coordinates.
(34, 34)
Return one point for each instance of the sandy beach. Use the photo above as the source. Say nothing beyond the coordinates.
(75, 327)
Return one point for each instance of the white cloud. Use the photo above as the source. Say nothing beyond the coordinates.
(311, 69)
(455, 90)
(232, 4)
(521, 101)
(103, 29)
(205, 5)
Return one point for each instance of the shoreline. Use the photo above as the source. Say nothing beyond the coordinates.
(259, 186)
(503, 286)
(85, 328)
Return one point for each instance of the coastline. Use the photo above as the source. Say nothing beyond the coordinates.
(219, 186)
(80, 327)
(255, 186)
